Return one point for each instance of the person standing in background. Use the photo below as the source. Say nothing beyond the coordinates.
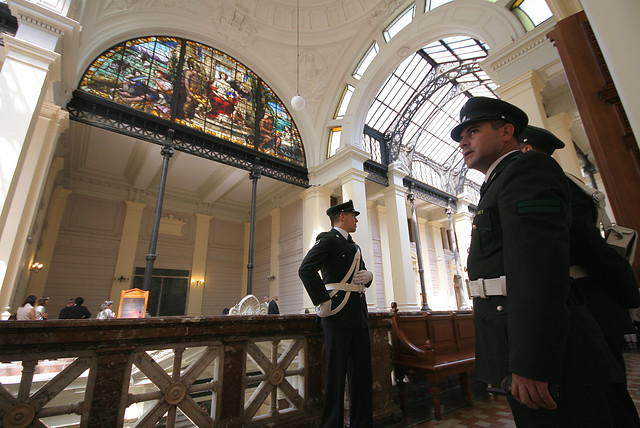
(27, 311)
(41, 313)
(77, 311)
(273, 306)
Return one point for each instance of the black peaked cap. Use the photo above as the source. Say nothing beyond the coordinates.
(478, 109)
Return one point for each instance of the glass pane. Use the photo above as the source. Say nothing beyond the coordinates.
(174, 296)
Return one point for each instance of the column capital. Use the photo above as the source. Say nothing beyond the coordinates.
(203, 217)
(527, 81)
(346, 158)
(44, 20)
(135, 206)
(315, 192)
(31, 54)
(353, 174)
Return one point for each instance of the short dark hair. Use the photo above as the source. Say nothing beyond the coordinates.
(79, 300)
(498, 123)
(334, 218)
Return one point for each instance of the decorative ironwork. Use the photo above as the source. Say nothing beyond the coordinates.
(430, 194)
(376, 172)
(95, 111)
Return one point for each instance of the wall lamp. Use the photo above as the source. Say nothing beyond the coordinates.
(197, 282)
(271, 277)
(121, 278)
(36, 266)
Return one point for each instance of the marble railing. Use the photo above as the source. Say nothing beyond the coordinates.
(224, 371)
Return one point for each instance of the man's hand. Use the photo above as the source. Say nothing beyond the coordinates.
(323, 309)
(362, 277)
(532, 393)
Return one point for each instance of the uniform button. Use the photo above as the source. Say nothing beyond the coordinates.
(499, 308)
(474, 227)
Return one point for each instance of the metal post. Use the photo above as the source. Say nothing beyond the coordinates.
(254, 176)
(166, 152)
(456, 253)
(414, 224)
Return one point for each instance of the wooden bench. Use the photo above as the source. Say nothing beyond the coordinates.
(435, 345)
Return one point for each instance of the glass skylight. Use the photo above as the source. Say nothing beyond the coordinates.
(366, 61)
(426, 137)
(400, 22)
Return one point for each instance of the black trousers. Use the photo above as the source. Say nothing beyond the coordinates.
(600, 406)
(348, 353)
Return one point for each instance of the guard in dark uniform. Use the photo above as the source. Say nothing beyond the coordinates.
(604, 277)
(341, 305)
(530, 325)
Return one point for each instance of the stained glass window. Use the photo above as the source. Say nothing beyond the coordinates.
(199, 87)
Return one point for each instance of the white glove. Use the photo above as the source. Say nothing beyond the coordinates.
(362, 277)
(323, 309)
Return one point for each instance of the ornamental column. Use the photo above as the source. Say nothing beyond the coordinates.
(395, 197)
(199, 265)
(315, 203)
(385, 253)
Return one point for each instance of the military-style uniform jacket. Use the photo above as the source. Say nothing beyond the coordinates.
(521, 231)
(333, 255)
(611, 288)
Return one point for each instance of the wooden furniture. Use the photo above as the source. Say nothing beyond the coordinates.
(435, 345)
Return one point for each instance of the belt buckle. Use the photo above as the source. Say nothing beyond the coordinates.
(479, 288)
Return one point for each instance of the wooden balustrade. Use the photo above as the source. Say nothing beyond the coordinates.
(224, 371)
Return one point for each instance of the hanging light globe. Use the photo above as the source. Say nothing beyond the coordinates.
(297, 102)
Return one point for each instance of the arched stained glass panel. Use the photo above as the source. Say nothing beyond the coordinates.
(199, 87)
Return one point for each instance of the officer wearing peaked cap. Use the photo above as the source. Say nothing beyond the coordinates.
(529, 325)
(341, 305)
(601, 274)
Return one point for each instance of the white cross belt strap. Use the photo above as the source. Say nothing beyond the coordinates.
(343, 285)
(488, 287)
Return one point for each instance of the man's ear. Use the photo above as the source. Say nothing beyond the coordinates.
(508, 130)
(526, 148)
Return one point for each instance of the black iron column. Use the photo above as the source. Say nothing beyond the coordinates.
(166, 152)
(254, 176)
(414, 224)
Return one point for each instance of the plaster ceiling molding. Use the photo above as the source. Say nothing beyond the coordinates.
(531, 51)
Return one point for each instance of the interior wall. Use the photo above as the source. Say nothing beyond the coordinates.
(223, 277)
(85, 254)
(262, 258)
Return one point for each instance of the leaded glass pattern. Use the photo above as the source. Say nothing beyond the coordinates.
(197, 86)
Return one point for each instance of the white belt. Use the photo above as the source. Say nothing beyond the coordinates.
(576, 272)
(488, 287)
(356, 288)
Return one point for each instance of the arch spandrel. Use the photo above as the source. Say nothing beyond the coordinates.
(197, 86)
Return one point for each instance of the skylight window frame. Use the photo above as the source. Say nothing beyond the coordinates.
(366, 61)
(398, 24)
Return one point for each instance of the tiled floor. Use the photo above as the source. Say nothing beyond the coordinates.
(488, 411)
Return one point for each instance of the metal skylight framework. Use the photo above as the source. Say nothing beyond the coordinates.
(417, 107)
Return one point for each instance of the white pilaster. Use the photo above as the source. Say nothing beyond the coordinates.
(126, 250)
(315, 202)
(387, 274)
(199, 265)
(525, 91)
(404, 286)
(28, 181)
(423, 227)
(274, 263)
(444, 294)
(560, 126)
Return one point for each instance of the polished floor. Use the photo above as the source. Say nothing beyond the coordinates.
(487, 411)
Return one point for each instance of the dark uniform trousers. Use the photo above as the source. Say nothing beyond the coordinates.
(542, 329)
(346, 334)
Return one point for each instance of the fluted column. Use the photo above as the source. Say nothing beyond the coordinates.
(199, 265)
(395, 200)
(315, 202)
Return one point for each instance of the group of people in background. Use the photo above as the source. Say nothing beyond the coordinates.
(73, 310)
